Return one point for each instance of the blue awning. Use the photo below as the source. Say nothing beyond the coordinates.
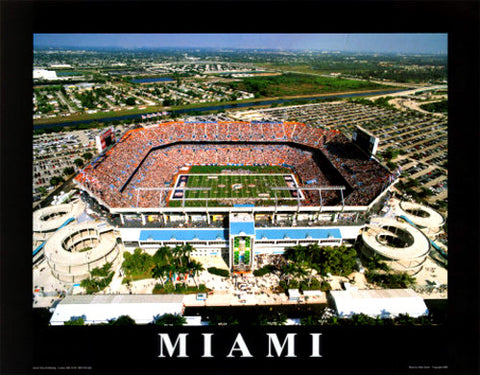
(298, 233)
(183, 235)
(246, 227)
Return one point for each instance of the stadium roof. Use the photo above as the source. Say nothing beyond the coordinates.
(297, 233)
(385, 303)
(101, 308)
(183, 235)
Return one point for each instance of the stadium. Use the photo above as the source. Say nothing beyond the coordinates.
(236, 190)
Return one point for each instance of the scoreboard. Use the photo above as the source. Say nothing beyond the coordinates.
(105, 139)
(365, 141)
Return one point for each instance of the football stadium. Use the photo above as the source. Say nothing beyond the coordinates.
(235, 190)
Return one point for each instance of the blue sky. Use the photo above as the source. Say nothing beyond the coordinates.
(407, 43)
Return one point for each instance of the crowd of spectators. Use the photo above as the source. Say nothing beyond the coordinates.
(276, 260)
(149, 158)
(366, 177)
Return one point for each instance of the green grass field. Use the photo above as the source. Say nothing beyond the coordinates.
(231, 186)
(241, 183)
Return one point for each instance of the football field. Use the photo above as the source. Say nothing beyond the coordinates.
(235, 186)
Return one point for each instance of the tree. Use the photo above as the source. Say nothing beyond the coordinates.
(56, 180)
(172, 270)
(162, 255)
(78, 162)
(130, 101)
(87, 156)
(218, 271)
(310, 320)
(158, 272)
(288, 270)
(195, 267)
(312, 250)
(42, 190)
(169, 320)
(103, 271)
(68, 171)
(271, 319)
(376, 262)
(362, 319)
(187, 249)
(99, 279)
(122, 320)
(183, 272)
(137, 263)
(177, 252)
(75, 321)
(404, 319)
(333, 321)
(390, 153)
(221, 319)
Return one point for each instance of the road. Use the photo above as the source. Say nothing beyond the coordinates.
(411, 104)
(65, 101)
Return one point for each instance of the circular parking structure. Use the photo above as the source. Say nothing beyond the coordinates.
(53, 217)
(426, 218)
(402, 247)
(72, 252)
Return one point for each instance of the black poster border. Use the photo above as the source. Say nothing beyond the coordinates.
(27, 348)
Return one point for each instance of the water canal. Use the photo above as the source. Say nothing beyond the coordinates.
(216, 108)
(152, 80)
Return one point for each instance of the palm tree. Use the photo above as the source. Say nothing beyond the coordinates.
(171, 270)
(178, 253)
(158, 272)
(162, 255)
(307, 259)
(296, 253)
(195, 267)
(182, 270)
(300, 270)
(187, 250)
(288, 270)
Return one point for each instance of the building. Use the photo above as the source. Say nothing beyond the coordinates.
(385, 303)
(96, 309)
(44, 74)
(401, 246)
(331, 188)
(73, 251)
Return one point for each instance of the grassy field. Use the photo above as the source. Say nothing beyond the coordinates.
(240, 184)
(291, 84)
(231, 186)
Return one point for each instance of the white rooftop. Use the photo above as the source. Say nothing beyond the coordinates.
(293, 293)
(101, 308)
(384, 303)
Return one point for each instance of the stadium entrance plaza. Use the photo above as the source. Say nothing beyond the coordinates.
(225, 291)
